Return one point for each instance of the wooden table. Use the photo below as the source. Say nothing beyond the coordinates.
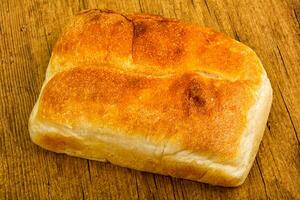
(28, 31)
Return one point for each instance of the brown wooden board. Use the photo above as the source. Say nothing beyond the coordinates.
(28, 31)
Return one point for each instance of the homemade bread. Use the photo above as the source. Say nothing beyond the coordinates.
(153, 94)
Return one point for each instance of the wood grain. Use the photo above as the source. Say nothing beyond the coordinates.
(28, 31)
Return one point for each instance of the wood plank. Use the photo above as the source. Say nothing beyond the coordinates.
(28, 31)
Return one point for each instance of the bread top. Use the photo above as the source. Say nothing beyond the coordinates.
(152, 45)
(154, 78)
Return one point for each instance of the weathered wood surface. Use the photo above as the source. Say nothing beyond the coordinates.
(28, 31)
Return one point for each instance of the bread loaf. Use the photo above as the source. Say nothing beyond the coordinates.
(153, 94)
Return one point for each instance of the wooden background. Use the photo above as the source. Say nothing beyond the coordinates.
(28, 31)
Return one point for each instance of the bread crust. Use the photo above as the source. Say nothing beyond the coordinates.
(153, 94)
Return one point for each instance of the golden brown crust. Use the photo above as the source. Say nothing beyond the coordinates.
(152, 45)
(170, 108)
(154, 80)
